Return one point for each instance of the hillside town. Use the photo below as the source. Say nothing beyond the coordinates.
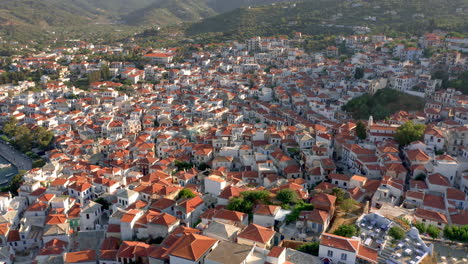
(239, 152)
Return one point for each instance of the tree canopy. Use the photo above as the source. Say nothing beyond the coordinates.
(433, 231)
(24, 138)
(15, 183)
(397, 233)
(359, 73)
(287, 196)
(310, 248)
(409, 132)
(186, 193)
(347, 205)
(346, 231)
(248, 200)
(456, 233)
(361, 130)
(298, 208)
(382, 104)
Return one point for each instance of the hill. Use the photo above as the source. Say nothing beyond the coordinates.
(163, 12)
(382, 104)
(30, 19)
(330, 16)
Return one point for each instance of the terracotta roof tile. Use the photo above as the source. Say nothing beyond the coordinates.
(257, 233)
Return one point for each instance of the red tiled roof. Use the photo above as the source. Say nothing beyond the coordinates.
(438, 179)
(339, 242)
(263, 209)
(275, 252)
(230, 215)
(455, 194)
(80, 256)
(337, 176)
(431, 215)
(368, 254)
(460, 218)
(434, 201)
(133, 249)
(192, 246)
(257, 233)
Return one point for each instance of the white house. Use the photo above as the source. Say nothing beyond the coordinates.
(214, 184)
(90, 216)
(338, 249)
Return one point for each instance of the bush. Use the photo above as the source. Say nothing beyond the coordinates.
(456, 233)
(409, 132)
(287, 196)
(347, 205)
(186, 193)
(294, 215)
(433, 231)
(346, 231)
(339, 193)
(310, 248)
(397, 233)
(183, 165)
(247, 200)
(421, 227)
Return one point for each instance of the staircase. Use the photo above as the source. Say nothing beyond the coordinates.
(384, 255)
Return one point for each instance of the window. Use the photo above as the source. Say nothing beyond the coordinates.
(330, 253)
(343, 256)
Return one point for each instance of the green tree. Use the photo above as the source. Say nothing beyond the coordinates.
(397, 233)
(346, 231)
(105, 204)
(203, 167)
(185, 193)
(10, 126)
(339, 193)
(15, 183)
(456, 233)
(23, 138)
(442, 75)
(241, 205)
(310, 248)
(358, 73)
(409, 132)
(287, 196)
(347, 205)
(182, 165)
(260, 196)
(361, 130)
(248, 200)
(433, 231)
(296, 212)
(43, 137)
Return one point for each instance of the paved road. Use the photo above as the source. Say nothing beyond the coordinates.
(15, 157)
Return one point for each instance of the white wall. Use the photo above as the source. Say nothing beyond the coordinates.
(264, 220)
(351, 256)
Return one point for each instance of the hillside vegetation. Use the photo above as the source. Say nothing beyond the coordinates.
(30, 19)
(163, 12)
(330, 16)
(382, 104)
